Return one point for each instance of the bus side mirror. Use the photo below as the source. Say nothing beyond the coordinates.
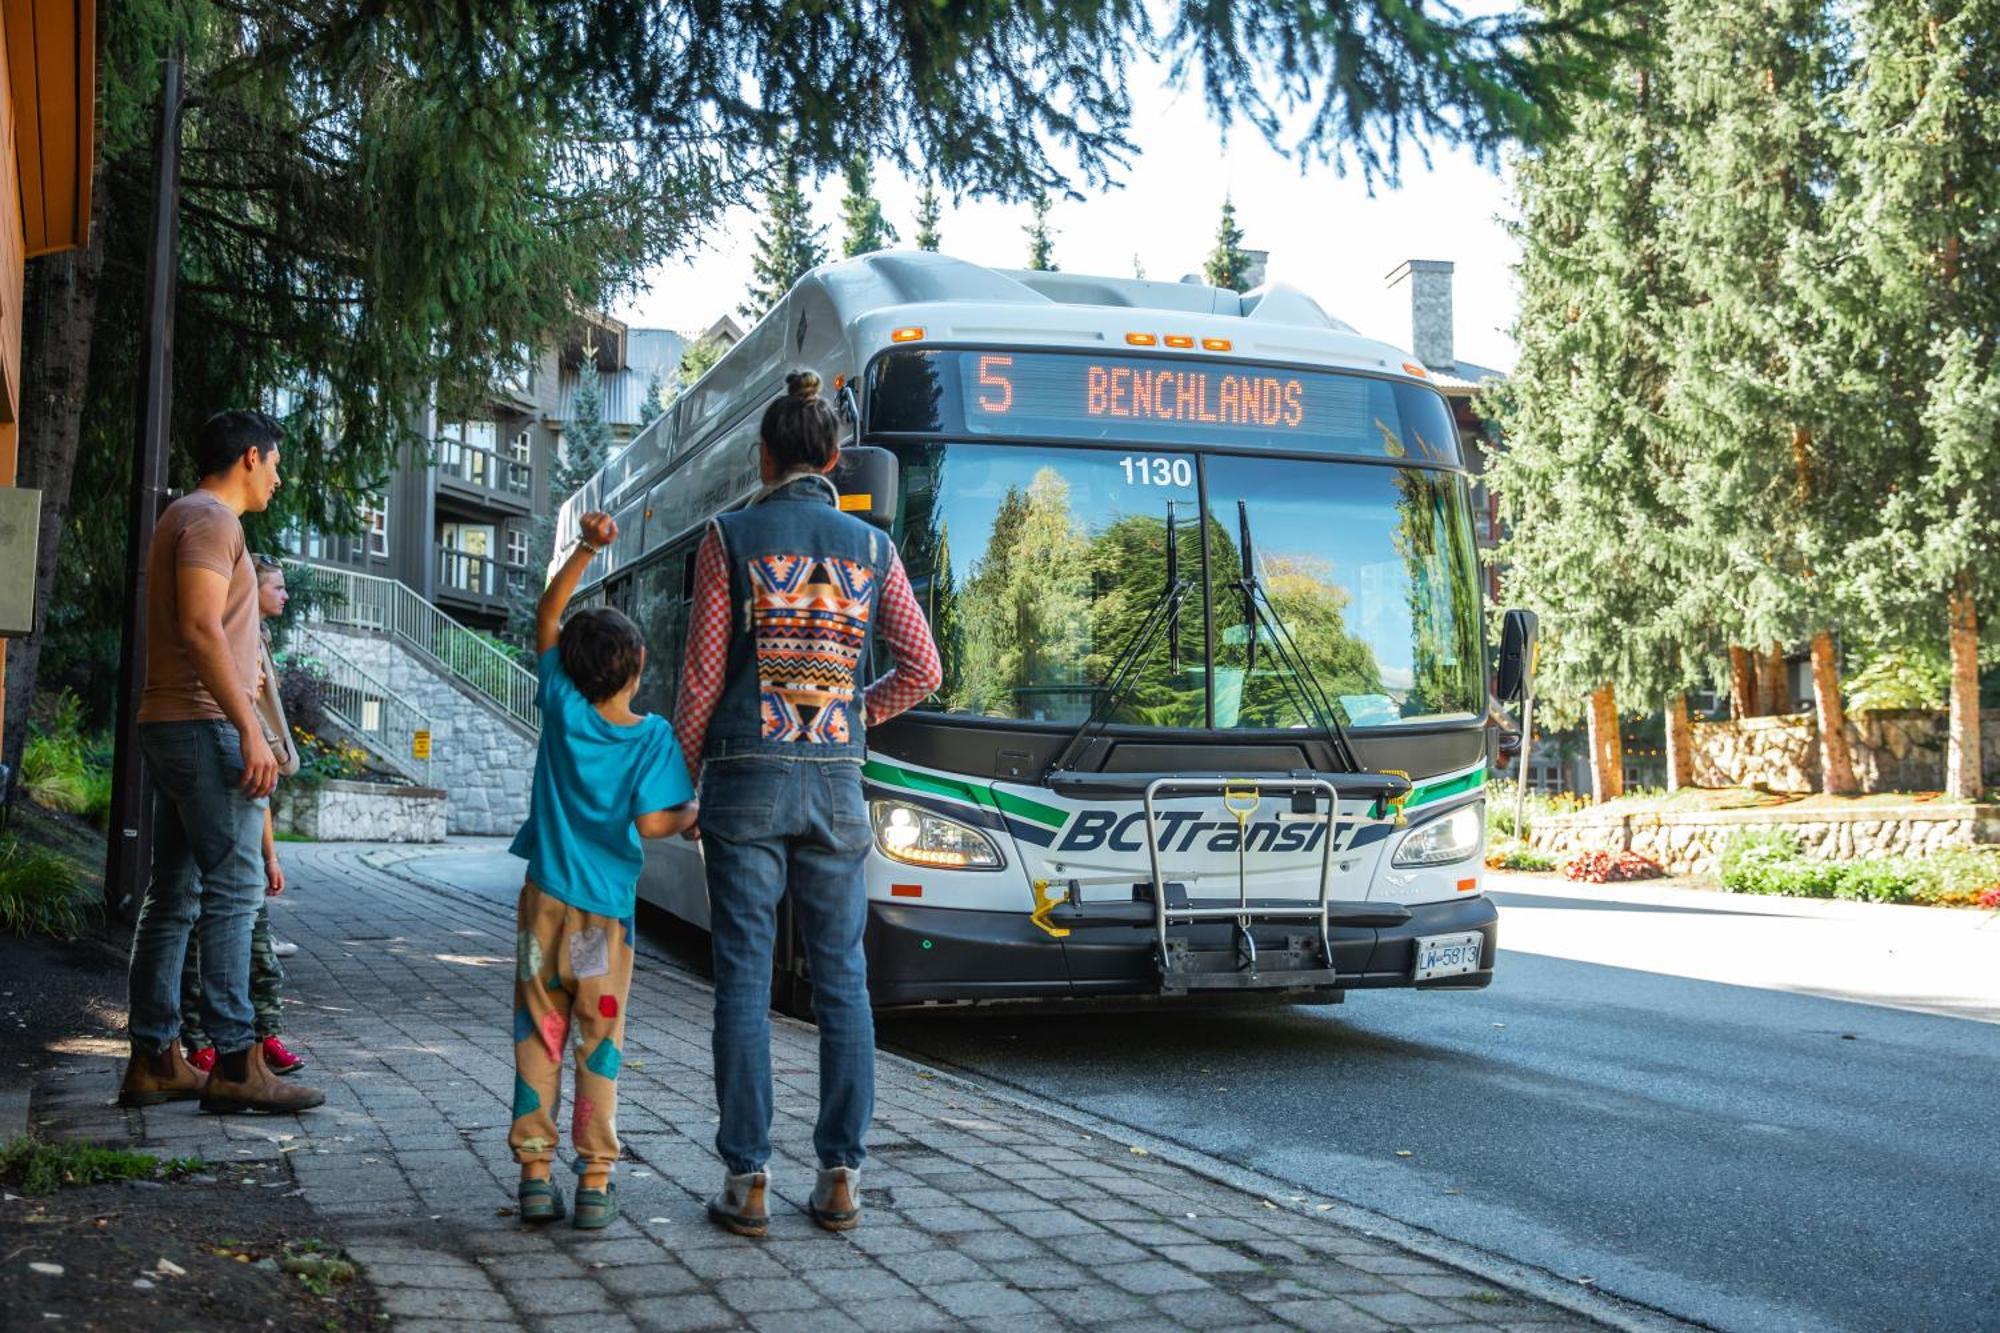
(1517, 656)
(868, 480)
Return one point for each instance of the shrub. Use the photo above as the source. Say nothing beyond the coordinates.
(40, 892)
(1518, 857)
(1610, 867)
(1500, 807)
(1905, 677)
(1772, 862)
(62, 768)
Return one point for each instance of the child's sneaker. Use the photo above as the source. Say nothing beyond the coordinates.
(203, 1059)
(280, 1060)
(540, 1201)
(836, 1198)
(596, 1209)
(741, 1206)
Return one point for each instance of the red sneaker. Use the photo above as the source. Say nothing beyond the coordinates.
(279, 1060)
(203, 1059)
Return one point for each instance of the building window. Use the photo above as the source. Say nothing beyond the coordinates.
(375, 513)
(517, 546)
(518, 445)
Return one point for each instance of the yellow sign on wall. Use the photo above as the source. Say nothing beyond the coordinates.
(420, 745)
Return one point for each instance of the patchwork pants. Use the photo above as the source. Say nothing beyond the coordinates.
(573, 970)
(267, 980)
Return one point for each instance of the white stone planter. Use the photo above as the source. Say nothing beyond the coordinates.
(1691, 842)
(361, 812)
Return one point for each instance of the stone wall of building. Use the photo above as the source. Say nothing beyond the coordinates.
(1691, 842)
(482, 759)
(1901, 750)
(361, 812)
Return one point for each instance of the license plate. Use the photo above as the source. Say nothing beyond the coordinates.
(1447, 955)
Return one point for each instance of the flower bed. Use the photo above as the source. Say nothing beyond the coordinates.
(1610, 867)
(1772, 861)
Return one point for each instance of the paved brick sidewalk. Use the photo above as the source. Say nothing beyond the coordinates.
(979, 1214)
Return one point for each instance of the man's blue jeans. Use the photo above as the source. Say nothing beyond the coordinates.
(768, 825)
(208, 880)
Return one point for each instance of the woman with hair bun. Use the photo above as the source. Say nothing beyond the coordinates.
(772, 718)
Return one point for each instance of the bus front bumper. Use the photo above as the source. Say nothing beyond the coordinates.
(923, 955)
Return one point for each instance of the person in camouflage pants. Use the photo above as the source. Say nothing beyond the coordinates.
(267, 977)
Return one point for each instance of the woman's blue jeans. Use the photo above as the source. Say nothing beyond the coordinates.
(208, 879)
(769, 825)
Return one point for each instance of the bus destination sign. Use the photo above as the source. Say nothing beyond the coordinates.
(1069, 395)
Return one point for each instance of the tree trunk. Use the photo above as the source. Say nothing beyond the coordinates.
(1607, 750)
(1961, 770)
(1680, 744)
(60, 306)
(1744, 700)
(1836, 764)
(1777, 683)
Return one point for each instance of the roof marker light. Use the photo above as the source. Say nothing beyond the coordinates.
(1215, 344)
(1141, 339)
(1412, 368)
(1179, 340)
(909, 335)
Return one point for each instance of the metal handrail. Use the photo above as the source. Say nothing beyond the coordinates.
(387, 725)
(390, 608)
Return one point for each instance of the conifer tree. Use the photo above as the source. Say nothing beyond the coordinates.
(700, 355)
(866, 230)
(1227, 265)
(1041, 242)
(928, 212)
(789, 244)
(584, 446)
(1775, 485)
(1917, 313)
(1584, 478)
(653, 402)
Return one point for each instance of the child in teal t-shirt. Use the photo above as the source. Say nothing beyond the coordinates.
(605, 776)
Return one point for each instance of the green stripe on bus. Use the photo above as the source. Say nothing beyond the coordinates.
(970, 792)
(1437, 791)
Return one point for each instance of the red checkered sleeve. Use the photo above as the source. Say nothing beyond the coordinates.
(900, 622)
(707, 651)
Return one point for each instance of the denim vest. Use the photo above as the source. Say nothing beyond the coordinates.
(804, 580)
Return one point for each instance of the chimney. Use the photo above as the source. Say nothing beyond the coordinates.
(1429, 281)
(1253, 272)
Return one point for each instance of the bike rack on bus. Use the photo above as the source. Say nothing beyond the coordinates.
(1184, 968)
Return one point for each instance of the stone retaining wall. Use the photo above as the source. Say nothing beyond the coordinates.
(361, 812)
(1894, 750)
(1691, 842)
(484, 759)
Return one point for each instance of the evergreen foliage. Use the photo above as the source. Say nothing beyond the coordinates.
(653, 403)
(583, 449)
(928, 213)
(1041, 242)
(864, 229)
(789, 244)
(700, 356)
(1227, 265)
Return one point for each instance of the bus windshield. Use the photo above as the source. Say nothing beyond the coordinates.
(1038, 564)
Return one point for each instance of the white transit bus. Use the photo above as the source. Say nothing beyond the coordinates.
(1201, 570)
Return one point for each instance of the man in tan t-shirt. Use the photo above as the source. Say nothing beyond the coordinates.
(213, 771)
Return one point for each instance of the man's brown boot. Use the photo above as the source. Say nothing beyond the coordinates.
(166, 1077)
(243, 1082)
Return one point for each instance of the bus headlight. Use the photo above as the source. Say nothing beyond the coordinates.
(915, 836)
(1451, 837)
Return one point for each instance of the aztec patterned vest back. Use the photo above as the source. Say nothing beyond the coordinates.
(804, 579)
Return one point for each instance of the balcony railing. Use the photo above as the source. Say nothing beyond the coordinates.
(485, 468)
(478, 575)
(390, 608)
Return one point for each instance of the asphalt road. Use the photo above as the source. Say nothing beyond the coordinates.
(1764, 1116)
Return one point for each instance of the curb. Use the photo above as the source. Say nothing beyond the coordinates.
(1524, 1279)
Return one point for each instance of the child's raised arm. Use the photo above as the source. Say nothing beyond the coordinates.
(599, 531)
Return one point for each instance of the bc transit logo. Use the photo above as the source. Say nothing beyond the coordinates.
(1184, 830)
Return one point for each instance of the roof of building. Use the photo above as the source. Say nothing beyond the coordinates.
(1464, 376)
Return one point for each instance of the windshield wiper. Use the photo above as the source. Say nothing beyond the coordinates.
(1166, 611)
(1259, 611)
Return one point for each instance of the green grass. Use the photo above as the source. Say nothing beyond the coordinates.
(62, 768)
(41, 892)
(33, 1166)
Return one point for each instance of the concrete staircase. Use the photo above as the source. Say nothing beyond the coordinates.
(478, 700)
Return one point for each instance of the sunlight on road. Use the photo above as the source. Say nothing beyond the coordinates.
(1926, 959)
